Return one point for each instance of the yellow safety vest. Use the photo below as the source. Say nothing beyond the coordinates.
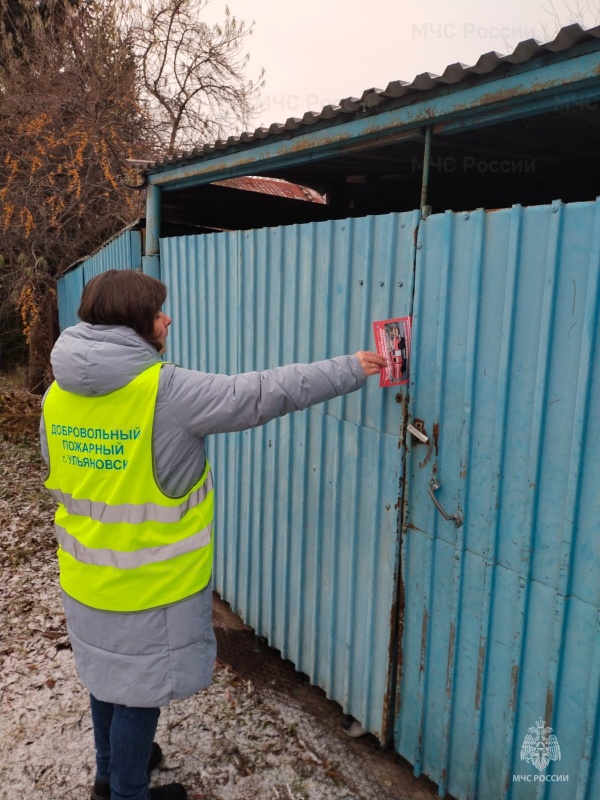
(124, 545)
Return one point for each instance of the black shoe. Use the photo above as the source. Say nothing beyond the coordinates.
(155, 756)
(172, 791)
(101, 791)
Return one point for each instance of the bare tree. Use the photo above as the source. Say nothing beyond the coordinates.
(566, 12)
(70, 113)
(193, 75)
(85, 85)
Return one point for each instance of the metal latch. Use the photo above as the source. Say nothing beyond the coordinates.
(416, 430)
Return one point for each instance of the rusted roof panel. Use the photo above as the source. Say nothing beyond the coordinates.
(273, 186)
(525, 51)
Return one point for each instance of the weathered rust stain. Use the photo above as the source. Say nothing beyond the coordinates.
(451, 645)
(401, 505)
(392, 682)
(479, 681)
(549, 704)
(506, 785)
(424, 639)
(427, 458)
(391, 700)
(515, 94)
(436, 436)
(399, 619)
(376, 140)
(501, 95)
(411, 526)
(371, 136)
(514, 681)
(403, 400)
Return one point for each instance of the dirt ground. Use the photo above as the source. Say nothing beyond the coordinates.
(260, 731)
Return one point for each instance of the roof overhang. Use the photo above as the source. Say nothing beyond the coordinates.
(547, 83)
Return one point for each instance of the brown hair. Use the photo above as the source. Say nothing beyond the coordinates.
(123, 297)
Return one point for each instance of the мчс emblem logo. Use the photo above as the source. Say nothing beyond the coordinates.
(540, 746)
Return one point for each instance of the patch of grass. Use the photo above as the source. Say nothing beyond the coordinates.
(298, 789)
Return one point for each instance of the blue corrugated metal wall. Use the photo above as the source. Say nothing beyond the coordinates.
(124, 252)
(306, 527)
(69, 289)
(501, 616)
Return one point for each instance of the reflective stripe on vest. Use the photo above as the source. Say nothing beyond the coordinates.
(124, 545)
(126, 512)
(129, 560)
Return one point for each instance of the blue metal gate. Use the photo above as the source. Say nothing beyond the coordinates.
(307, 544)
(501, 612)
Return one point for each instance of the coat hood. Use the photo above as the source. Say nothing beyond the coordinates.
(93, 360)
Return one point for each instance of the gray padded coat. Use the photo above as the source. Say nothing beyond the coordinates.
(149, 658)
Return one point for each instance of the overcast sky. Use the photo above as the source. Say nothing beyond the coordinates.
(316, 52)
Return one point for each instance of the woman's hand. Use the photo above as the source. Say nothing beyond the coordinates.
(371, 363)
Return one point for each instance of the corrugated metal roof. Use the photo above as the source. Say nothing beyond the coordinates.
(525, 51)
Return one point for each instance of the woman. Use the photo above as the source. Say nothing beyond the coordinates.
(124, 435)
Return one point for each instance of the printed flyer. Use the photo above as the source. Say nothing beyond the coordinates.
(392, 341)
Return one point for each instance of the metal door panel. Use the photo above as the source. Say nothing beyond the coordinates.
(501, 613)
(307, 540)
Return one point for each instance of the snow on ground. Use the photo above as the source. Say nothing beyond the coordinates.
(231, 742)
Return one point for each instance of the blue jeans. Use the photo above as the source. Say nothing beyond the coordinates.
(123, 736)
